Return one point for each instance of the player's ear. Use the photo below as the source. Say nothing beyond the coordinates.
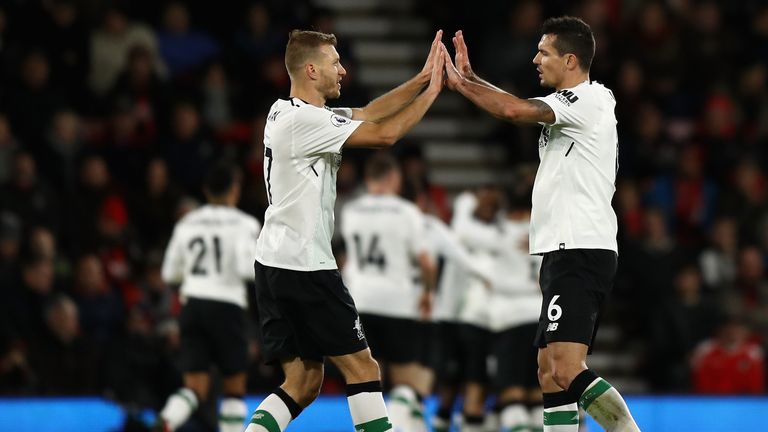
(571, 62)
(311, 70)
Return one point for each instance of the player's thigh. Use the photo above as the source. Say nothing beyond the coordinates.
(574, 286)
(279, 297)
(325, 316)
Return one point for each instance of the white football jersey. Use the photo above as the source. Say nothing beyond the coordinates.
(302, 153)
(458, 265)
(576, 178)
(483, 241)
(516, 296)
(211, 254)
(384, 235)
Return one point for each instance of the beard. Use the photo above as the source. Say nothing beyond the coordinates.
(332, 88)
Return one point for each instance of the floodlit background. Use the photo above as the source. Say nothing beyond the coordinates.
(110, 113)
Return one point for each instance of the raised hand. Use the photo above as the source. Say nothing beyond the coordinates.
(437, 67)
(452, 75)
(462, 56)
(434, 50)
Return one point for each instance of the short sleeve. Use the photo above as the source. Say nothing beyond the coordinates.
(173, 261)
(318, 130)
(565, 105)
(246, 249)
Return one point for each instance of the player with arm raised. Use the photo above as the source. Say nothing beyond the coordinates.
(210, 253)
(572, 224)
(306, 312)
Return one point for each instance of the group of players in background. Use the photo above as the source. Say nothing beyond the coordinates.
(496, 330)
(471, 332)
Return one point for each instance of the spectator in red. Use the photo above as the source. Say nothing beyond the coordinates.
(729, 363)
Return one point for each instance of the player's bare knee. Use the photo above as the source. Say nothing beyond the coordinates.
(545, 376)
(372, 370)
(564, 373)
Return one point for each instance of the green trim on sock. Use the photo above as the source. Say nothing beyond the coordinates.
(231, 419)
(520, 428)
(264, 418)
(186, 398)
(378, 425)
(415, 410)
(561, 418)
(593, 393)
(400, 399)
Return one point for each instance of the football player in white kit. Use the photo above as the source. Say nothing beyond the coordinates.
(306, 312)
(480, 233)
(514, 316)
(458, 267)
(572, 222)
(384, 236)
(211, 255)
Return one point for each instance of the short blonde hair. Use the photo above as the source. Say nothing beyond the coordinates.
(302, 46)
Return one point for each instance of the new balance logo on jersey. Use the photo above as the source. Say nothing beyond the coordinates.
(552, 327)
(273, 116)
(566, 96)
(359, 327)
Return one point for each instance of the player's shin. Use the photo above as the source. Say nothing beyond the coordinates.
(514, 417)
(561, 412)
(232, 412)
(274, 413)
(366, 405)
(178, 408)
(603, 402)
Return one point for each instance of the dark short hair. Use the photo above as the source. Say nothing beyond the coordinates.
(302, 46)
(380, 165)
(220, 179)
(574, 36)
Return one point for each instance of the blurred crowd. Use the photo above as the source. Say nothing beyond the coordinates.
(110, 114)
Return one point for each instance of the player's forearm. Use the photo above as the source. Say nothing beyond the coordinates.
(404, 120)
(492, 99)
(477, 80)
(428, 273)
(394, 100)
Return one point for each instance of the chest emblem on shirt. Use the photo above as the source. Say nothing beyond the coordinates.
(273, 116)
